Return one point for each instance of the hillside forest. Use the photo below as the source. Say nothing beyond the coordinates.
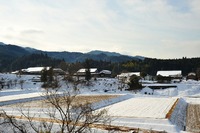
(147, 66)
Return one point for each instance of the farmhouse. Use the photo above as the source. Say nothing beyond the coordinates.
(105, 73)
(173, 74)
(126, 76)
(82, 72)
(147, 91)
(34, 70)
(37, 70)
(59, 71)
(167, 76)
(192, 76)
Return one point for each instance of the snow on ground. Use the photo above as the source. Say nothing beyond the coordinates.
(183, 89)
(178, 115)
(192, 100)
(141, 107)
(146, 123)
(133, 110)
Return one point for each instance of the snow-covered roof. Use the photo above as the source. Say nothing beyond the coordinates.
(105, 72)
(192, 74)
(147, 90)
(129, 74)
(58, 69)
(177, 73)
(35, 69)
(83, 70)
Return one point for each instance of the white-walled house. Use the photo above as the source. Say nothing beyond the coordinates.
(147, 91)
(125, 77)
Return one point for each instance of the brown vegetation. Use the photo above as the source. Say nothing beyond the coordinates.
(78, 100)
(168, 115)
(193, 118)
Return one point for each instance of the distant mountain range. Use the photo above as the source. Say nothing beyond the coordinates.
(13, 51)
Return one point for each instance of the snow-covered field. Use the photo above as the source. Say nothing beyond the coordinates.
(130, 109)
(142, 107)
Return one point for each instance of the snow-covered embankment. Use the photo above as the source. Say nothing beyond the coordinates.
(178, 117)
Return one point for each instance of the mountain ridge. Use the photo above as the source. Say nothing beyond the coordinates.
(17, 51)
(97, 52)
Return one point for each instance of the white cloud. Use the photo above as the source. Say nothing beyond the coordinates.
(127, 26)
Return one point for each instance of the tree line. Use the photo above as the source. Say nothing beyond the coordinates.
(148, 65)
(33, 60)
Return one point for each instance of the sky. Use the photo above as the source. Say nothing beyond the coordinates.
(151, 28)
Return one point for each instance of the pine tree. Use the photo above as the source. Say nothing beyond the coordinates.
(43, 77)
(134, 83)
(87, 72)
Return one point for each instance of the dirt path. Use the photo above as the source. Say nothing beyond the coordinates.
(193, 118)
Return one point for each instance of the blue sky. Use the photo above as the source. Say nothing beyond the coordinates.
(151, 28)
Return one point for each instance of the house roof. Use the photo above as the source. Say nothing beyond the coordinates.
(147, 90)
(83, 70)
(176, 73)
(35, 69)
(192, 73)
(129, 74)
(105, 72)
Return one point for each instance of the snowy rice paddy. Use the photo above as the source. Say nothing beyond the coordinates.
(129, 109)
(141, 107)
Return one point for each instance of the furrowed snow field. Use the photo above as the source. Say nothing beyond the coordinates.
(130, 109)
(140, 107)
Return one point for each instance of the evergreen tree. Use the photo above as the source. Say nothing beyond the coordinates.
(43, 77)
(198, 73)
(87, 75)
(87, 71)
(134, 83)
(50, 75)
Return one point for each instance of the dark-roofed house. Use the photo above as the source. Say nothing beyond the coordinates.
(192, 76)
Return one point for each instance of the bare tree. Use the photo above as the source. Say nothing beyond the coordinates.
(72, 116)
(21, 82)
(64, 110)
(15, 82)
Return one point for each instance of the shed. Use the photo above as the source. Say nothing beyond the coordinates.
(192, 76)
(147, 91)
(105, 73)
(82, 71)
(173, 73)
(34, 70)
(126, 76)
(168, 76)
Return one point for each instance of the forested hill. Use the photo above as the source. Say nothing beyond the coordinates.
(34, 60)
(187, 65)
(150, 66)
(25, 61)
(13, 57)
